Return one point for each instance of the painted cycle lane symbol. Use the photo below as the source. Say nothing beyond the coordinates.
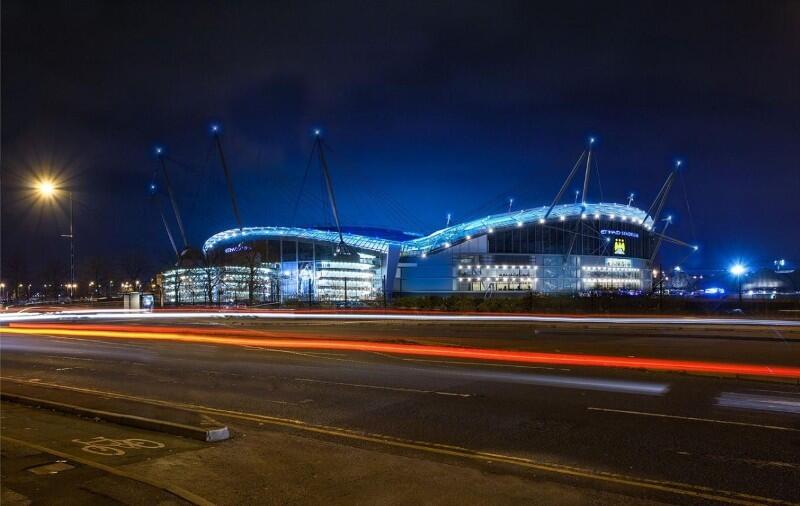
(101, 445)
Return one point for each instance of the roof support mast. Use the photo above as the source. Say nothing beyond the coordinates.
(565, 185)
(231, 192)
(160, 153)
(586, 175)
(655, 211)
(576, 232)
(342, 247)
(166, 227)
(658, 203)
(660, 236)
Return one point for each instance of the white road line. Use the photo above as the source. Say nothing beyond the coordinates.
(93, 341)
(304, 354)
(378, 387)
(483, 364)
(693, 419)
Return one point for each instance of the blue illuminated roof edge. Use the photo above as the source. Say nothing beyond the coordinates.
(441, 238)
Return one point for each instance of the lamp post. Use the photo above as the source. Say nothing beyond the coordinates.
(47, 189)
(738, 270)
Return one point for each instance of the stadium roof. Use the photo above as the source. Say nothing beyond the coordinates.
(440, 239)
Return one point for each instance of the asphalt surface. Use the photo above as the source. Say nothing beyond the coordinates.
(379, 428)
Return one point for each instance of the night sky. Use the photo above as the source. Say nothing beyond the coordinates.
(428, 108)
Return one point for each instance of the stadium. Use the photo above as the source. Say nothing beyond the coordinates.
(579, 247)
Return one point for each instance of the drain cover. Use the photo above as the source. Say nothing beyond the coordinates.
(55, 467)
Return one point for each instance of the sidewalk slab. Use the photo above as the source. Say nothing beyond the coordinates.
(120, 411)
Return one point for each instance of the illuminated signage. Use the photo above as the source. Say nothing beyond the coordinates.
(625, 233)
(619, 246)
(237, 248)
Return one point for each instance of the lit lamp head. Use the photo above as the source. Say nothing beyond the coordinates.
(46, 188)
(738, 269)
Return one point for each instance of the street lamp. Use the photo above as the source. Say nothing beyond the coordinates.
(738, 270)
(48, 188)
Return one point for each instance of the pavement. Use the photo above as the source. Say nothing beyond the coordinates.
(56, 459)
(313, 426)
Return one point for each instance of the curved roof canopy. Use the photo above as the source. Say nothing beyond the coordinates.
(443, 238)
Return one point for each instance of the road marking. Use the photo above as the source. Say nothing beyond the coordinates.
(378, 387)
(64, 357)
(677, 488)
(175, 490)
(482, 364)
(101, 445)
(754, 462)
(95, 341)
(693, 419)
(304, 354)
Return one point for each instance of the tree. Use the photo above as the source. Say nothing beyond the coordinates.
(97, 270)
(134, 265)
(211, 274)
(252, 261)
(52, 274)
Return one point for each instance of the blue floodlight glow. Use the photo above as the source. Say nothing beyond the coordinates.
(738, 269)
(214, 128)
(591, 140)
(317, 132)
(159, 150)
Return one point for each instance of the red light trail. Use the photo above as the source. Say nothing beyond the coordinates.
(299, 341)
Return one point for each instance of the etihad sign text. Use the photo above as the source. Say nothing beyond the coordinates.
(635, 235)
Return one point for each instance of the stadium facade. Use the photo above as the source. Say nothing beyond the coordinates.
(562, 248)
(576, 248)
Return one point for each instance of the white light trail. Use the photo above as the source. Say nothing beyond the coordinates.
(111, 314)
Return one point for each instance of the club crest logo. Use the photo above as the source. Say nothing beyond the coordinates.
(619, 246)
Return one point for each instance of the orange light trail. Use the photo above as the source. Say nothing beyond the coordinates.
(291, 341)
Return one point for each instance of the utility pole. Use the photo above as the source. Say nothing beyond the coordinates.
(345, 292)
(739, 279)
(71, 237)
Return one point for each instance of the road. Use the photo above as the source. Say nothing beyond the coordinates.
(350, 426)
